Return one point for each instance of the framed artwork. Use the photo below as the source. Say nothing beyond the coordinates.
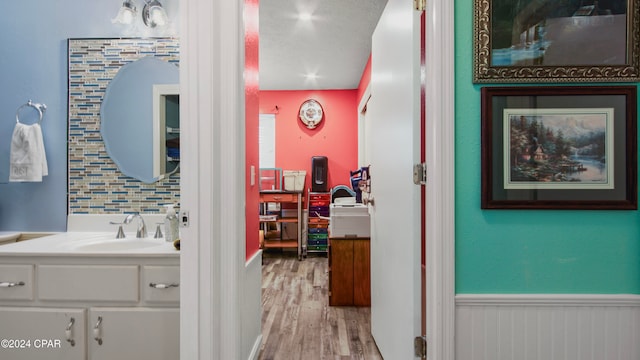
(562, 147)
(556, 41)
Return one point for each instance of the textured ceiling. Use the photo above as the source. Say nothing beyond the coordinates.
(335, 44)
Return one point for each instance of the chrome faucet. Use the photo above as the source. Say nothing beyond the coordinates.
(142, 228)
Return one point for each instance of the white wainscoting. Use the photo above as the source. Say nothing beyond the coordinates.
(547, 327)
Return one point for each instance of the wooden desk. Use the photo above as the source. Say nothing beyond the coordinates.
(349, 272)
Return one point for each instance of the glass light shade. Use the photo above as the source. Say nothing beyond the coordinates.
(126, 13)
(154, 14)
(158, 16)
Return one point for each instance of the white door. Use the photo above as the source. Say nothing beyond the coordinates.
(394, 113)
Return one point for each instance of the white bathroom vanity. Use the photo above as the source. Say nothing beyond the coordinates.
(89, 296)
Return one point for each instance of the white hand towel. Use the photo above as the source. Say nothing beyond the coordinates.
(28, 161)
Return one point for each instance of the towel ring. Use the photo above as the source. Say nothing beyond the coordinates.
(40, 107)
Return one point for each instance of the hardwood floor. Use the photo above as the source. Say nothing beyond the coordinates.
(297, 321)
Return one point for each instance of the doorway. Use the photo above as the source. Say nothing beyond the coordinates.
(395, 213)
(211, 269)
(327, 139)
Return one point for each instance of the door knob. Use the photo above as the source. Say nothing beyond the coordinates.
(368, 200)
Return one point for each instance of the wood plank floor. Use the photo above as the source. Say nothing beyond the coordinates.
(297, 321)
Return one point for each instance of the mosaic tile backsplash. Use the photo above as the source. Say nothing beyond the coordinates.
(96, 186)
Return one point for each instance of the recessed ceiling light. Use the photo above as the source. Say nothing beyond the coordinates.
(304, 16)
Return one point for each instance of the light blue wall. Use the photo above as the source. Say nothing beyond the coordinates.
(518, 251)
(33, 65)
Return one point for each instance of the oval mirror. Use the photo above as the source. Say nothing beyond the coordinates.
(127, 123)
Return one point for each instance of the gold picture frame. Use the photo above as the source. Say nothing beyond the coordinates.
(556, 41)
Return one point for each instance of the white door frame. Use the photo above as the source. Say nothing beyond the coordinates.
(440, 188)
(212, 178)
(212, 181)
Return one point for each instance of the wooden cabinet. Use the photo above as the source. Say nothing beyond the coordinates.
(349, 272)
(281, 197)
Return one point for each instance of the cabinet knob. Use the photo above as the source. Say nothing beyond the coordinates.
(97, 331)
(9, 284)
(163, 286)
(68, 332)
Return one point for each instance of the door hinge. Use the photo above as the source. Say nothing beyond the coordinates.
(420, 174)
(420, 5)
(420, 346)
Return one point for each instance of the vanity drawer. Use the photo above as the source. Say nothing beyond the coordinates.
(161, 284)
(88, 282)
(16, 282)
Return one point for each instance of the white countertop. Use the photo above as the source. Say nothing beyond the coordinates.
(90, 244)
(8, 236)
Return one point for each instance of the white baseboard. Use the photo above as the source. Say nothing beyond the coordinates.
(547, 327)
(252, 307)
(255, 350)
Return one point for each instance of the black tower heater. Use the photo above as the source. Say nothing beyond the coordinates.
(319, 169)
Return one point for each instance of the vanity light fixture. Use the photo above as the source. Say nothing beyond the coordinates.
(153, 14)
(126, 13)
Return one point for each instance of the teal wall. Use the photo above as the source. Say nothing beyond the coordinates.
(526, 251)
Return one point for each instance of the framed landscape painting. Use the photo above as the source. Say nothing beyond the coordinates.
(556, 40)
(559, 147)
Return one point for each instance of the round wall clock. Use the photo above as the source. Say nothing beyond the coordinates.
(311, 113)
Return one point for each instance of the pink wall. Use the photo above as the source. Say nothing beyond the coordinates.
(252, 100)
(336, 137)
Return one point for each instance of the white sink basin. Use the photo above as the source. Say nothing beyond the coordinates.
(120, 244)
(8, 236)
(91, 243)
